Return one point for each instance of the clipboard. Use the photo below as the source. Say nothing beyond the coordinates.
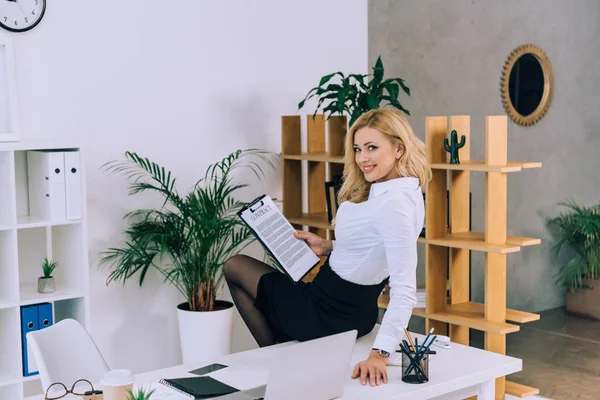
(255, 205)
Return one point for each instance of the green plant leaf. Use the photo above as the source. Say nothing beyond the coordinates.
(578, 230)
(353, 95)
(187, 239)
(400, 82)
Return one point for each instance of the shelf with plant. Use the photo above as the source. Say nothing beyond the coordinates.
(577, 230)
(187, 239)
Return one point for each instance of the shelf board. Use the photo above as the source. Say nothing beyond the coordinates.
(30, 295)
(5, 227)
(6, 304)
(456, 317)
(520, 241)
(470, 243)
(319, 157)
(481, 166)
(8, 379)
(518, 390)
(315, 220)
(384, 298)
(26, 221)
(478, 310)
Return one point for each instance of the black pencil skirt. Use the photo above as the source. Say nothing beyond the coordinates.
(326, 306)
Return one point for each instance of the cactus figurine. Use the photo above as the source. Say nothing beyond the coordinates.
(453, 148)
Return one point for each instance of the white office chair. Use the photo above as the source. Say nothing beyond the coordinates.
(65, 352)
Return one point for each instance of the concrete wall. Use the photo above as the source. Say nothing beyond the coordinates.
(451, 54)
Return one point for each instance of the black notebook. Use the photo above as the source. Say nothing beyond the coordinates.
(199, 387)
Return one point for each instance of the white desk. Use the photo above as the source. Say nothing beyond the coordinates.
(457, 373)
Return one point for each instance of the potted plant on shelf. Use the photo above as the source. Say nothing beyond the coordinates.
(187, 240)
(579, 229)
(353, 95)
(46, 283)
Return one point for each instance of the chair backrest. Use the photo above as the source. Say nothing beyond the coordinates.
(65, 352)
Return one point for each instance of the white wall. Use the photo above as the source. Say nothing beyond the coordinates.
(185, 83)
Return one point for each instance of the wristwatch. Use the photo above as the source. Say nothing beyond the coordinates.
(382, 353)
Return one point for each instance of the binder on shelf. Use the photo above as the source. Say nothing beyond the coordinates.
(33, 317)
(55, 184)
(73, 185)
(46, 173)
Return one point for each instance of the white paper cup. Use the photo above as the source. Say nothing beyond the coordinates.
(116, 383)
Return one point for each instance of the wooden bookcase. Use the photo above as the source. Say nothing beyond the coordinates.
(323, 159)
(448, 238)
(448, 306)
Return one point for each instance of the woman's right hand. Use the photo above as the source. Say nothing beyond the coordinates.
(318, 245)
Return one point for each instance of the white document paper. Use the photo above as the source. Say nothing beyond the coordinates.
(276, 233)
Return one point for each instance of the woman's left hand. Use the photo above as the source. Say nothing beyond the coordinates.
(374, 368)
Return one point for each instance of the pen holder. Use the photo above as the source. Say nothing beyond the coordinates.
(415, 367)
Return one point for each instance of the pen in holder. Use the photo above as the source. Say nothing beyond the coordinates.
(415, 367)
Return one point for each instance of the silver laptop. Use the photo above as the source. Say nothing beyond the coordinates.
(316, 369)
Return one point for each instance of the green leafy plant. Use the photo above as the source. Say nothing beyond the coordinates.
(579, 229)
(141, 394)
(189, 238)
(354, 95)
(48, 267)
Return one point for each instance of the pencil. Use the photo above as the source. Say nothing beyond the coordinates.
(413, 348)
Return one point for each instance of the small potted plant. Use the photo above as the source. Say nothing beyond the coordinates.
(141, 394)
(46, 283)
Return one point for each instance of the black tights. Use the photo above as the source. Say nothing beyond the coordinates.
(242, 274)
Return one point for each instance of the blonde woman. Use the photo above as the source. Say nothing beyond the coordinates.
(378, 222)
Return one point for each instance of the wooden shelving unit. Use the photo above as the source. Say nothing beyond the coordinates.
(448, 305)
(323, 159)
(450, 311)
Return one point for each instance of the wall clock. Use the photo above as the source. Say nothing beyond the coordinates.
(21, 15)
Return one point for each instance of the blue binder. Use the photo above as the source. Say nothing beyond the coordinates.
(33, 317)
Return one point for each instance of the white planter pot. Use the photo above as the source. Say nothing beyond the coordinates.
(205, 335)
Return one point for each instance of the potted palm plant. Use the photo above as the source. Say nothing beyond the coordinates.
(187, 240)
(354, 96)
(579, 229)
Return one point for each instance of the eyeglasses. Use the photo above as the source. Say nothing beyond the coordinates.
(58, 390)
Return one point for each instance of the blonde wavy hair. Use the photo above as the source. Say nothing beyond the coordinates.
(412, 162)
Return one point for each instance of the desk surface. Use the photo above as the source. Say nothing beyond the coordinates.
(450, 370)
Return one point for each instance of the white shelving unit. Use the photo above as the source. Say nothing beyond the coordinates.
(24, 241)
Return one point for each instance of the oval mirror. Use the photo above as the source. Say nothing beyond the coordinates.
(526, 85)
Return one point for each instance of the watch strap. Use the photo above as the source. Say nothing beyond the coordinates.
(382, 353)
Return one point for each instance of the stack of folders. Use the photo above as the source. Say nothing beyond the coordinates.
(420, 298)
(54, 184)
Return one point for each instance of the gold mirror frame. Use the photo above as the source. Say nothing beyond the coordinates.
(542, 108)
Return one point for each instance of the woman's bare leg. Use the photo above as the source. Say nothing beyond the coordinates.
(242, 274)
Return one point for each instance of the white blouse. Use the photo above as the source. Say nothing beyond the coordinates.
(378, 238)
